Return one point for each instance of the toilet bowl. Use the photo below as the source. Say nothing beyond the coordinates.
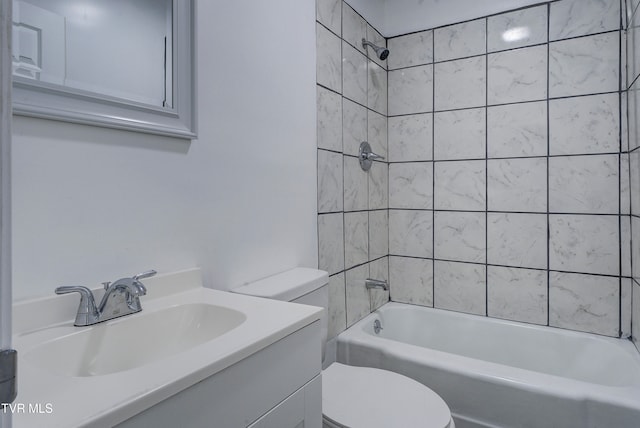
(356, 397)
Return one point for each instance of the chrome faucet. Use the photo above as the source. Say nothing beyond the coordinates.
(121, 297)
(376, 283)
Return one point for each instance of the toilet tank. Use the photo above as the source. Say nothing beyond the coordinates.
(300, 285)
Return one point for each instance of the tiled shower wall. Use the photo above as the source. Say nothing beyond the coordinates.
(633, 96)
(507, 168)
(352, 204)
(507, 192)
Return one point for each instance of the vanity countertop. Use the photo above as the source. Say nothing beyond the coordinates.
(54, 399)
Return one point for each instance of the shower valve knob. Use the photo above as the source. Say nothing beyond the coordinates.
(366, 156)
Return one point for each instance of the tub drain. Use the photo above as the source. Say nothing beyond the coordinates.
(377, 326)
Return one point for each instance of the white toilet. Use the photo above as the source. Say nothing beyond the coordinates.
(356, 397)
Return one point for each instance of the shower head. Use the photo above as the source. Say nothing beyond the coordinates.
(381, 52)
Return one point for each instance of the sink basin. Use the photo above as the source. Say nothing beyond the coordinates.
(133, 341)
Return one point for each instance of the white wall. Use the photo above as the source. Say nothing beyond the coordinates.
(395, 17)
(92, 204)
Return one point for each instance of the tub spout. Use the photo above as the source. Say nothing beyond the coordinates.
(376, 283)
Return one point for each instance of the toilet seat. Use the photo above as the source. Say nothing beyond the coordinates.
(363, 397)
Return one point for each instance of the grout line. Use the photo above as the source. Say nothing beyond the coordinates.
(344, 223)
(475, 19)
(602, 275)
(541, 100)
(548, 171)
(433, 171)
(620, 237)
(507, 157)
(487, 52)
(486, 168)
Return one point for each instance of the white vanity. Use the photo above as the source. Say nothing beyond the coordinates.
(194, 357)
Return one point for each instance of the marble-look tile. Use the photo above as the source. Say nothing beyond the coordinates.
(328, 59)
(356, 194)
(460, 40)
(379, 269)
(377, 39)
(635, 315)
(460, 134)
(377, 88)
(584, 303)
(625, 307)
(354, 126)
(410, 138)
(517, 130)
(586, 65)
(460, 185)
(460, 287)
(377, 133)
(629, 6)
(460, 83)
(354, 74)
(379, 186)
(633, 112)
(329, 181)
(623, 60)
(633, 50)
(584, 243)
(584, 184)
(329, 14)
(625, 245)
(635, 251)
(337, 306)
(354, 27)
(356, 238)
(329, 120)
(516, 29)
(411, 90)
(517, 294)
(411, 280)
(584, 125)
(460, 236)
(517, 184)
(518, 75)
(331, 242)
(358, 304)
(624, 125)
(517, 240)
(411, 50)
(634, 181)
(378, 234)
(625, 191)
(572, 18)
(411, 233)
(411, 185)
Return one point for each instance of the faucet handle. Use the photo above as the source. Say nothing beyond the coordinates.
(144, 275)
(87, 311)
(84, 291)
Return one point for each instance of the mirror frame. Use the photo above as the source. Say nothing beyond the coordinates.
(49, 101)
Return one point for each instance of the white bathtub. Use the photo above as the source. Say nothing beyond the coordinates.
(495, 373)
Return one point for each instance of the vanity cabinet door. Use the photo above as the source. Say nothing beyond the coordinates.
(302, 409)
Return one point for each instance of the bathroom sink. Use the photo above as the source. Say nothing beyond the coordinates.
(133, 341)
(101, 375)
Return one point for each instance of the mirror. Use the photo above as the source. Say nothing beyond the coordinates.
(116, 63)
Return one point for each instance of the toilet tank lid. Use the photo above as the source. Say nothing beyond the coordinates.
(286, 286)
